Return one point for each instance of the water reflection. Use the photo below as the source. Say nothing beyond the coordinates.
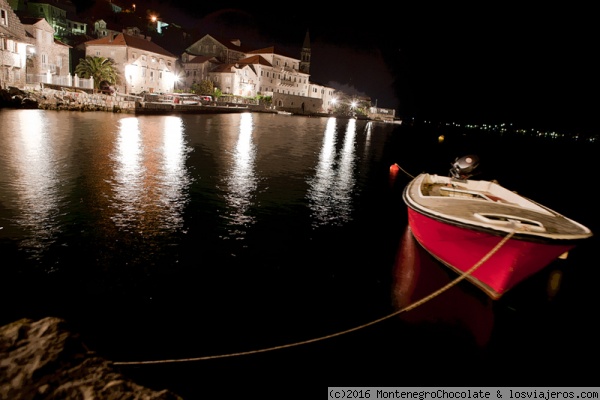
(330, 192)
(417, 275)
(37, 181)
(368, 133)
(128, 185)
(150, 177)
(174, 177)
(241, 179)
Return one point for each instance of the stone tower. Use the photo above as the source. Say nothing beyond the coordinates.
(305, 55)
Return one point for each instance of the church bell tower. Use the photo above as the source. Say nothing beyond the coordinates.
(305, 55)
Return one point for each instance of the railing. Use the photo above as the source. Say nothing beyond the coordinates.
(63, 80)
(10, 59)
(49, 67)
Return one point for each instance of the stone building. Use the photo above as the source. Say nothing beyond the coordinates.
(46, 56)
(226, 51)
(141, 64)
(13, 48)
(60, 14)
(195, 69)
(267, 72)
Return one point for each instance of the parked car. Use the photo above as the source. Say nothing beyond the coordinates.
(107, 89)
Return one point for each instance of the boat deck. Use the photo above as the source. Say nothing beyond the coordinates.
(483, 209)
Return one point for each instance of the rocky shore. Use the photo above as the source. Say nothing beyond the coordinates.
(16, 98)
(53, 99)
(46, 360)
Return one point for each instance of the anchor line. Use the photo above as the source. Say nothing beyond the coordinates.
(330, 336)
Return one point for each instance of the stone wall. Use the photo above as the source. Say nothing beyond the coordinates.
(51, 99)
(297, 104)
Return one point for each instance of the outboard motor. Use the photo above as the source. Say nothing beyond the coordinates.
(463, 168)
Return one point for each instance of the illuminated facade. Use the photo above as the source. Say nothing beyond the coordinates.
(267, 72)
(13, 48)
(195, 69)
(141, 64)
(59, 14)
(46, 55)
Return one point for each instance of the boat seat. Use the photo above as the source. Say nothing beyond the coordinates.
(453, 192)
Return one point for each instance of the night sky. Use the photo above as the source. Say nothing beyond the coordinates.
(495, 63)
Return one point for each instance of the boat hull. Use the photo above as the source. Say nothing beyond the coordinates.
(150, 108)
(461, 222)
(461, 248)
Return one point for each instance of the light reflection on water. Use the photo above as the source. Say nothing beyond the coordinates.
(131, 213)
(129, 172)
(150, 176)
(330, 192)
(241, 180)
(117, 187)
(34, 189)
(137, 173)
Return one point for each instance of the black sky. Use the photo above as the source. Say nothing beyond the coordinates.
(489, 63)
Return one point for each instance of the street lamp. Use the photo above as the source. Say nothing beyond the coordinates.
(130, 73)
(176, 81)
(29, 64)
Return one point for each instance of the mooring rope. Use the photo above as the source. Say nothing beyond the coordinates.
(285, 346)
(403, 170)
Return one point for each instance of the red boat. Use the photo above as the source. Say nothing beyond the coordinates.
(494, 236)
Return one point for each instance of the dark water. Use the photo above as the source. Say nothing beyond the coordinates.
(183, 237)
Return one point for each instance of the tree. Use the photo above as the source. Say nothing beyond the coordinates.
(204, 87)
(217, 93)
(100, 68)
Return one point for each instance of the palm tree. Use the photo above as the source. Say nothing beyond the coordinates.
(100, 68)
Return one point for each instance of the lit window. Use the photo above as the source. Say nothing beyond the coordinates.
(3, 17)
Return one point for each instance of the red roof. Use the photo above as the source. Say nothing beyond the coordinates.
(123, 39)
(255, 60)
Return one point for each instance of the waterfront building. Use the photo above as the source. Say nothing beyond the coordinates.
(141, 64)
(60, 14)
(102, 28)
(195, 69)
(268, 72)
(48, 59)
(13, 48)
(227, 51)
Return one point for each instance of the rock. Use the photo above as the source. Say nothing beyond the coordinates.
(43, 359)
(15, 91)
(16, 98)
(30, 103)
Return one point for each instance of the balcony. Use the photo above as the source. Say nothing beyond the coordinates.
(287, 83)
(49, 67)
(11, 59)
